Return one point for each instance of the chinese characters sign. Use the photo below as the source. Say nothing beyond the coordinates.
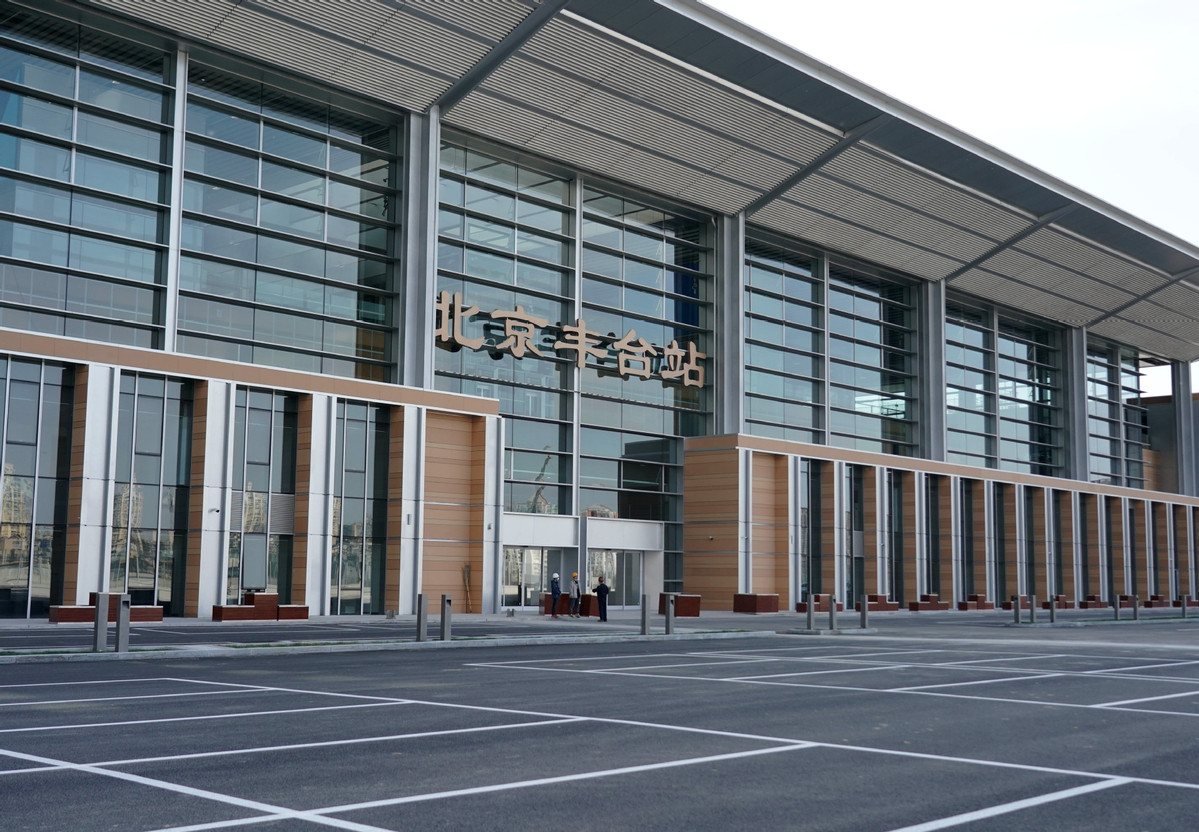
(628, 355)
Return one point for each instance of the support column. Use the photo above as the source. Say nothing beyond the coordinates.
(1077, 461)
(1184, 428)
(97, 392)
(932, 370)
(414, 339)
(729, 325)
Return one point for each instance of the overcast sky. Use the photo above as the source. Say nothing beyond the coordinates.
(1102, 94)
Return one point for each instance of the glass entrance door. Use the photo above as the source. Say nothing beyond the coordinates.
(622, 573)
(527, 573)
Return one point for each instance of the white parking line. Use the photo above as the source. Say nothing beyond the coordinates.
(975, 682)
(41, 702)
(1145, 699)
(68, 726)
(1014, 806)
(814, 673)
(1141, 667)
(232, 752)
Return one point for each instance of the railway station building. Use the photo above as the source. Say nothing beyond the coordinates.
(352, 300)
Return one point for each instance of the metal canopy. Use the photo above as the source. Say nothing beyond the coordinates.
(675, 97)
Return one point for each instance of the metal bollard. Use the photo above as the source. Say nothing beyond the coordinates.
(1185, 600)
(123, 611)
(811, 612)
(1032, 609)
(1016, 608)
(832, 612)
(1052, 610)
(1116, 605)
(1136, 608)
(670, 615)
(865, 614)
(644, 616)
(100, 636)
(446, 602)
(422, 618)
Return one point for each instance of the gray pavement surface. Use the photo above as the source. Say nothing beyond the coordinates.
(933, 721)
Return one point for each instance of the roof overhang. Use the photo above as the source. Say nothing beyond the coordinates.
(678, 98)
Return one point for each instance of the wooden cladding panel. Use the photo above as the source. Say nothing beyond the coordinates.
(712, 483)
(870, 530)
(299, 558)
(70, 584)
(396, 519)
(830, 530)
(1116, 544)
(1006, 545)
(977, 584)
(1067, 544)
(948, 523)
(195, 525)
(1038, 546)
(1159, 560)
(455, 465)
(910, 543)
(711, 531)
(1092, 551)
(1182, 547)
(769, 528)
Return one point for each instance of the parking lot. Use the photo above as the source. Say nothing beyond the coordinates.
(793, 732)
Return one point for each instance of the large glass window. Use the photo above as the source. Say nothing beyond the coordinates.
(784, 344)
(150, 500)
(263, 486)
(1003, 390)
(871, 354)
(36, 467)
(84, 170)
(289, 229)
(356, 573)
(1117, 421)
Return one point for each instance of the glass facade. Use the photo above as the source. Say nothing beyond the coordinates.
(360, 498)
(1003, 390)
(151, 497)
(36, 422)
(289, 233)
(84, 176)
(1117, 421)
(784, 344)
(872, 354)
(263, 490)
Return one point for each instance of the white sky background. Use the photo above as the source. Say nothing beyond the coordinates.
(1101, 94)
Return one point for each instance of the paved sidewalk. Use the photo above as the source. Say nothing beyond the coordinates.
(22, 640)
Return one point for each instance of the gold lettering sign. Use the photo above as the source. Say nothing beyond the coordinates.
(629, 355)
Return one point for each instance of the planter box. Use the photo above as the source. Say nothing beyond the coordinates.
(685, 606)
(752, 603)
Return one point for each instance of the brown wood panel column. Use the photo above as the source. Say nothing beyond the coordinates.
(1159, 550)
(1038, 542)
(769, 529)
(70, 577)
(1066, 544)
(975, 543)
(830, 530)
(455, 448)
(1182, 547)
(711, 534)
(945, 533)
(1092, 555)
(1116, 544)
(870, 532)
(395, 509)
(299, 552)
(1006, 546)
(909, 544)
(195, 507)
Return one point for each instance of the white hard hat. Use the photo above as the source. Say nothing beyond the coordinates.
(555, 574)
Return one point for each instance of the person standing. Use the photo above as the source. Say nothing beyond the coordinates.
(601, 592)
(576, 594)
(555, 594)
